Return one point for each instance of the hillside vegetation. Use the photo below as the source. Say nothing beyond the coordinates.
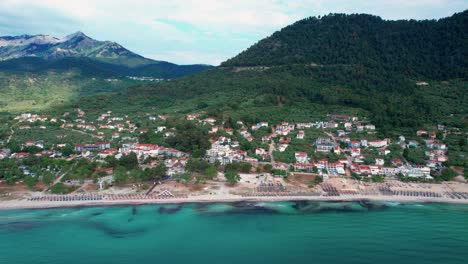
(88, 67)
(338, 63)
(435, 49)
(37, 92)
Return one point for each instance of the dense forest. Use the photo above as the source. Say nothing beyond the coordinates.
(88, 67)
(436, 49)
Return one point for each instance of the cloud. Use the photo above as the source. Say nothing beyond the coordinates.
(189, 30)
(188, 56)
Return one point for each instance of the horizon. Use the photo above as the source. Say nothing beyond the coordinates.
(187, 33)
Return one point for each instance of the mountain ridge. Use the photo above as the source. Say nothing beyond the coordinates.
(35, 53)
(74, 45)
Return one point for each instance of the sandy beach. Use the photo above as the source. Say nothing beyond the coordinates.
(249, 189)
(25, 204)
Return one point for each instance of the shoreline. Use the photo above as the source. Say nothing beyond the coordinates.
(24, 204)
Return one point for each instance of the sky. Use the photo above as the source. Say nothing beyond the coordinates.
(193, 31)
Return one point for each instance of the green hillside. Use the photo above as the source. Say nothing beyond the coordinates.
(38, 84)
(97, 68)
(302, 79)
(429, 48)
(39, 72)
(26, 91)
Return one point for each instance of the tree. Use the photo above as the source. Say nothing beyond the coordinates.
(211, 172)
(196, 165)
(414, 155)
(112, 161)
(186, 177)
(59, 188)
(129, 161)
(333, 157)
(95, 179)
(318, 180)
(135, 174)
(158, 172)
(448, 174)
(67, 151)
(190, 138)
(268, 167)
(48, 178)
(120, 175)
(232, 177)
(245, 167)
(30, 181)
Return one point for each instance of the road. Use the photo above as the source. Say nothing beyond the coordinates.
(88, 134)
(270, 151)
(60, 177)
(348, 156)
(11, 135)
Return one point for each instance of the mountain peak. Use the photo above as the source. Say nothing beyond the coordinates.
(77, 34)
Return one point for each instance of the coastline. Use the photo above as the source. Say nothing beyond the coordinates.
(24, 204)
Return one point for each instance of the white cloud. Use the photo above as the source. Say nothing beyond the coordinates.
(189, 57)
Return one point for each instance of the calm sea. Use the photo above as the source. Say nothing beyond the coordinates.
(288, 232)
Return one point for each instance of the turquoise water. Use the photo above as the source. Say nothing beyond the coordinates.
(238, 233)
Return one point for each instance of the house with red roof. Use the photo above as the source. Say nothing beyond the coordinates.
(332, 124)
(354, 143)
(301, 157)
(19, 155)
(300, 134)
(261, 152)
(421, 132)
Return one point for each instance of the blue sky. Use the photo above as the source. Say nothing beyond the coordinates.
(193, 31)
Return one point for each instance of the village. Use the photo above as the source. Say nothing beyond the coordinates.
(341, 154)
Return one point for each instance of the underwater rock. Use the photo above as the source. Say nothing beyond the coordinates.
(170, 209)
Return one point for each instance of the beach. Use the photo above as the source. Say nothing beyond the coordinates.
(25, 204)
(249, 189)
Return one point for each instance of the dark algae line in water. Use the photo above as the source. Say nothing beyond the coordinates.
(244, 232)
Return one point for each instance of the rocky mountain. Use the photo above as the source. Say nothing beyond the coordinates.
(42, 53)
(74, 45)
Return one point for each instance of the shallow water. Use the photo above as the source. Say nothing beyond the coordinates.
(294, 232)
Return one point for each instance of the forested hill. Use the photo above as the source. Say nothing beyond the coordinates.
(402, 75)
(428, 48)
(89, 67)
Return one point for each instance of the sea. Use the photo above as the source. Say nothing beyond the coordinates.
(243, 232)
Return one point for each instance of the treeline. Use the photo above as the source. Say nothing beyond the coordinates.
(88, 67)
